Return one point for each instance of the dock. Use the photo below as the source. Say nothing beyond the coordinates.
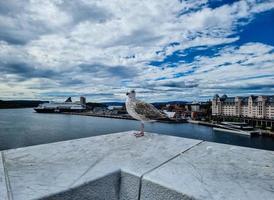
(120, 166)
(202, 123)
(246, 133)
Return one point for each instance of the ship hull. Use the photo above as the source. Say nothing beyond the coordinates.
(47, 110)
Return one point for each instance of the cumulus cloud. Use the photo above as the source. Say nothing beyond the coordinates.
(52, 48)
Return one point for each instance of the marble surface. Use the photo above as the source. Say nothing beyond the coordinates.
(213, 171)
(48, 169)
(3, 188)
(121, 167)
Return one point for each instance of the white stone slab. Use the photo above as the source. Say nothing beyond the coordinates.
(213, 171)
(43, 170)
(3, 188)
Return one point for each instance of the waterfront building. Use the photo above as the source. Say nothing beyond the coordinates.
(170, 114)
(252, 106)
(194, 110)
(195, 107)
(83, 100)
(115, 107)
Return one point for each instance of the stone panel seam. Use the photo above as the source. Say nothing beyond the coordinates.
(7, 180)
(163, 163)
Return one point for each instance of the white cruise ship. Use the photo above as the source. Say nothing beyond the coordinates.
(67, 106)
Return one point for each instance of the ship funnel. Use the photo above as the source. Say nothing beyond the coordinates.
(68, 100)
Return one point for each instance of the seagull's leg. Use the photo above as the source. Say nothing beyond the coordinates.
(142, 130)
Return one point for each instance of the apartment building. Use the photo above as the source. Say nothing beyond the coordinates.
(252, 106)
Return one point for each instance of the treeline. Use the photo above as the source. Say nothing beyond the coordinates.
(91, 105)
(19, 104)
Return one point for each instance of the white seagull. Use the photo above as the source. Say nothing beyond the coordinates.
(142, 111)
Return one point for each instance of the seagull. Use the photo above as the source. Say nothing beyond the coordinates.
(142, 111)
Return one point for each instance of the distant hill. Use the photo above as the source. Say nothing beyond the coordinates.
(155, 103)
(91, 105)
(114, 103)
(171, 102)
(20, 104)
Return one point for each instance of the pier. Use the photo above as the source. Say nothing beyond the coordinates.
(255, 122)
(121, 166)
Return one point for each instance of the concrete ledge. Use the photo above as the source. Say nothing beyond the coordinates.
(152, 191)
(213, 171)
(45, 170)
(4, 190)
(120, 166)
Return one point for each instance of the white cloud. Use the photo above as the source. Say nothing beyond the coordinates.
(250, 67)
(60, 36)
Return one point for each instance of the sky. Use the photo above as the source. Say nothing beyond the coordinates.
(164, 49)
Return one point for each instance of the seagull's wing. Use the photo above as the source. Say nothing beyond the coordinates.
(148, 111)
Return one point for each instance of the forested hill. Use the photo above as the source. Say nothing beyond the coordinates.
(19, 104)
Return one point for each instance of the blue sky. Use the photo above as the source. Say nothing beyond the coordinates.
(165, 49)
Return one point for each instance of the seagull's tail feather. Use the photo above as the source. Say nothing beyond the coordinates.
(152, 121)
(164, 117)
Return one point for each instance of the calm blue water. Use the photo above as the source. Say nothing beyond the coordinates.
(24, 127)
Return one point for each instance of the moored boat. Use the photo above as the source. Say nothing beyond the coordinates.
(58, 107)
(235, 131)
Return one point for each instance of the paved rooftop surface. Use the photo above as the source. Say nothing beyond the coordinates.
(121, 166)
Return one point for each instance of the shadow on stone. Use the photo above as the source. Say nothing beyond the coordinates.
(107, 187)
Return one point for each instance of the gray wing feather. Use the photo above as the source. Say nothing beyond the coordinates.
(149, 111)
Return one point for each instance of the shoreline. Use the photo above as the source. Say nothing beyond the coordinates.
(202, 123)
(259, 132)
(120, 117)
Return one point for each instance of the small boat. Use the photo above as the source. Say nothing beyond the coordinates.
(238, 125)
(235, 131)
(235, 127)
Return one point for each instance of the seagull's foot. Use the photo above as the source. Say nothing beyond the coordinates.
(140, 134)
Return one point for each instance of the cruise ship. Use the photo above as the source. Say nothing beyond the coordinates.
(67, 106)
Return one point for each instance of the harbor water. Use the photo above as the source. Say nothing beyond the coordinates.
(25, 127)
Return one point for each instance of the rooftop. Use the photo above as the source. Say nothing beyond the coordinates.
(120, 166)
(226, 99)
